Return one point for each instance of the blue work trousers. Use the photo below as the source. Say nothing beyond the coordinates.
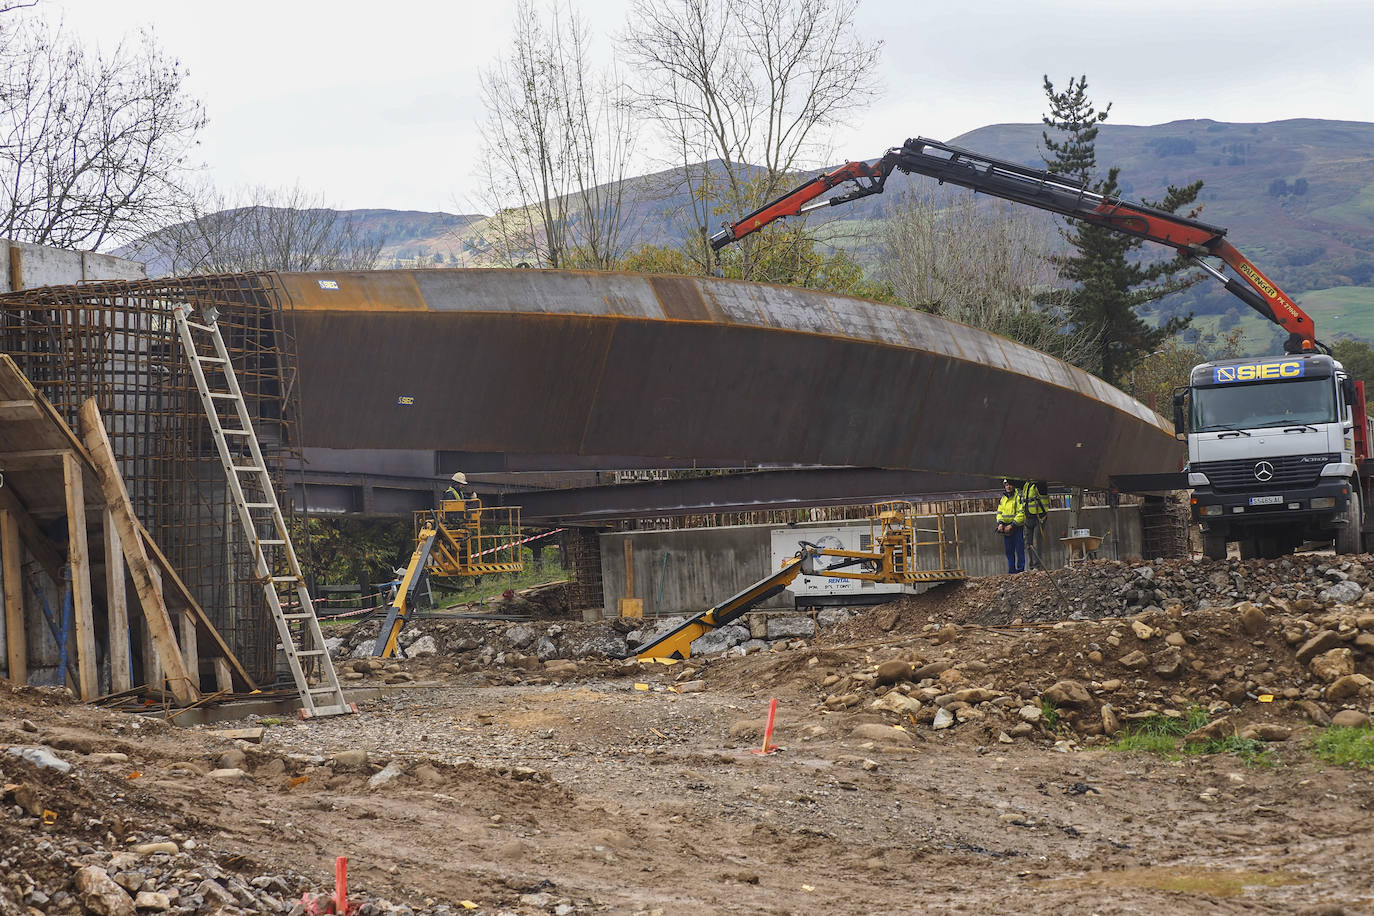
(1015, 545)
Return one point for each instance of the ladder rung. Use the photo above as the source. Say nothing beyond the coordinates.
(212, 359)
(296, 616)
(310, 652)
(286, 578)
(224, 396)
(236, 432)
(199, 327)
(261, 505)
(245, 468)
(271, 541)
(323, 689)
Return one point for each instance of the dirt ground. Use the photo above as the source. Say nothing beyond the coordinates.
(635, 789)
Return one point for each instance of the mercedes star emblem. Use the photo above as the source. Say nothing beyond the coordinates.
(1264, 472)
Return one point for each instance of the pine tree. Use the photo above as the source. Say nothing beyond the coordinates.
(1108, 286)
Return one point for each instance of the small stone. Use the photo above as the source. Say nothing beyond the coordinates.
(870, 765)
(1168, 664)
(1215, 730)
(350, 759)
(228, 774)
(891, 672)
(746, 728)
(1350, 718)
(1342, 593)
(388, 774)
(1141, 629)
(951, 676)
(1323, 641)
(886, 734)
(691, 687)
(167, 847)
(152, 900)
(1332, 665)
(1315, 714)
(1176, 639)
(1348, 685)
(1252, 619)
(100, 895)
(1029, 714)
(1134, 659)
(933, 669)
(1110, 723)
(943, 719)
(27, 725)
(1069, 693)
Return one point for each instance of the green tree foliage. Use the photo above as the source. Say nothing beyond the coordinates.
(1107, 286)
(1358, 359)
(345, 551)
(782, 254)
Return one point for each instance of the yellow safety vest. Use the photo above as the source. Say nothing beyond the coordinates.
(1036, 502)
(1010, 511)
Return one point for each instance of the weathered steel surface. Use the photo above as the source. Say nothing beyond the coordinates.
(606, 364)
(738, 493)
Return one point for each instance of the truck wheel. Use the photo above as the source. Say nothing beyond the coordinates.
(1248, 549)
(1349, 538)
(1214, 546)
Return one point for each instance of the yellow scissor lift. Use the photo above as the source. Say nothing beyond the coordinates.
(897, 559)
(460, 538)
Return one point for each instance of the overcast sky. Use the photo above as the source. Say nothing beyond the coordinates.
(377, 105)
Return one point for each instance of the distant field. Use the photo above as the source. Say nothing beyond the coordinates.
(1345, 310)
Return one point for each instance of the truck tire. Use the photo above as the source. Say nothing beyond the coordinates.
(1214, 546)
(1249, 550)
(1349, 537)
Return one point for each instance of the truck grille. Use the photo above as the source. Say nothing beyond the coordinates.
(1238, 475)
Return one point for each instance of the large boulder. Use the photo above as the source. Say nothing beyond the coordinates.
(1342, 593)
(720, 639)
(1333, 665)
(790, 627)
(1070, 694)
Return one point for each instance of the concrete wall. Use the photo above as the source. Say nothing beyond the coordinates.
(689, 570)
(38, 265)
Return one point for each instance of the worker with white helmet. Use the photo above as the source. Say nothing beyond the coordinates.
(454, 490)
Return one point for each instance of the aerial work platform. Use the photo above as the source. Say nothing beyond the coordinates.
(897, 558)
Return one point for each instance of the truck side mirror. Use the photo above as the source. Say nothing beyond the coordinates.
(1348, 390)
(1180, 424)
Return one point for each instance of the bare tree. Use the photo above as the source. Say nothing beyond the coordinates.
(92, 147)
(979, 264)
(286, 229)
(745, 92)
(558, 143)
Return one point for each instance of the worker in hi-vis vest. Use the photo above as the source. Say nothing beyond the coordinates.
(1011, 524)
(1035, 500)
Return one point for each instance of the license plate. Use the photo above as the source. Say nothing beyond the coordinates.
(1266, 500)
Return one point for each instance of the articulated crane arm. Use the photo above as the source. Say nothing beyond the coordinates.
(1057, 194)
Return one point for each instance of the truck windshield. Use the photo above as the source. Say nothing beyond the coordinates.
(1263, 404)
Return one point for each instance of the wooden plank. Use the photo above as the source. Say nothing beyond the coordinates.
(187, 624)
(48, 554)
(116, 607)
(79, 559)
(19, 411)
(224, 678)
(140, 567)
(16, 639)
(34, 459)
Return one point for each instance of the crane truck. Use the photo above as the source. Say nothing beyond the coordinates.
(1278, 448)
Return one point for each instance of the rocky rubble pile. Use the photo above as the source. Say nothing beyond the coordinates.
(1107, 588)
(1255, 667)
(488, 644)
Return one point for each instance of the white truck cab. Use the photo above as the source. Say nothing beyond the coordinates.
(1276, 452)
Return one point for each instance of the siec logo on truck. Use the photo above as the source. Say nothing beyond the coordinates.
(1258, 372)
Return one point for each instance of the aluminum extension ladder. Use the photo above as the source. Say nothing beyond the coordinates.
(276, 565)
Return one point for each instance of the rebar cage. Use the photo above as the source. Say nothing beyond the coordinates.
(116, 341)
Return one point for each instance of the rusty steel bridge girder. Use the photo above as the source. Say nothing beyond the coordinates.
(592, 365)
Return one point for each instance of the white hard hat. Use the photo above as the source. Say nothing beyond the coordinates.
(460, 477)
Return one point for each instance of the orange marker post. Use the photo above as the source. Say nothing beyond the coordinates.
(768, 747)
(341, 904)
